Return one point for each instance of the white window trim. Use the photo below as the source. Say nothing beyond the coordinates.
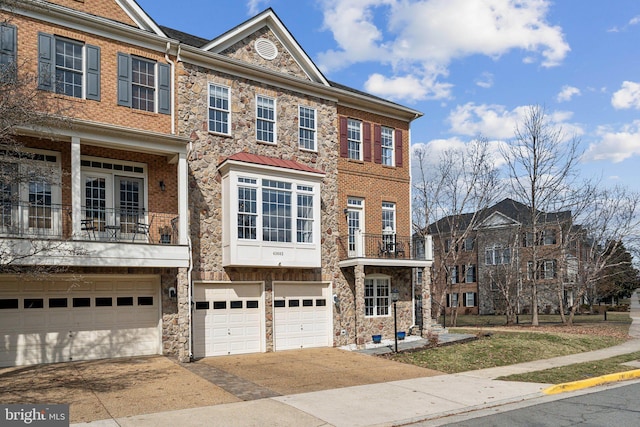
(275, 119)
(314, 129)
(228, 111)
(466, 299)
(84, 65)
(391, 148)
(360, 141)
(22, 215)
(375, 278)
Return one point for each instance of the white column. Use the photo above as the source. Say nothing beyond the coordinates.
(183, 208)
(76, 186)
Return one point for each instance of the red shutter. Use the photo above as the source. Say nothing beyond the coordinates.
(366, 141)
(344, 148)
(377, 144)
(398, 148)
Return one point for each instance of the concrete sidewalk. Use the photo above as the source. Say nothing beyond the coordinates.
(384, 404)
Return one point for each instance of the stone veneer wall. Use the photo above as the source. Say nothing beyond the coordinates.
(205, 190)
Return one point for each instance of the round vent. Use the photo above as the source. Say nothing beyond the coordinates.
(266, 49)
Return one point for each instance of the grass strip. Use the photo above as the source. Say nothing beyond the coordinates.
(578, 371)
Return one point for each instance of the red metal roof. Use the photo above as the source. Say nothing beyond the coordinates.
(271, 161)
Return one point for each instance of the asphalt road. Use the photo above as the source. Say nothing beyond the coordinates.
(618, 406)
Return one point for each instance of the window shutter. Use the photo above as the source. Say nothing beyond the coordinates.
(45, 61)
(344, 149)
(7, 45)
(93, 72)
(398, 148)
(377, 144)
(164, 89)
(124, 80)
(448, 300)
(475, 299)
(366, 141)
(464, 299)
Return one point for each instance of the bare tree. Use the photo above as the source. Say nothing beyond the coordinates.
(456, 187)
(542, 165)
(22, 107)
(610, 218)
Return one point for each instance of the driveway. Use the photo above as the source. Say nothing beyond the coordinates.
(115, 388)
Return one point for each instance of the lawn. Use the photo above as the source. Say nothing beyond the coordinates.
(505, 348)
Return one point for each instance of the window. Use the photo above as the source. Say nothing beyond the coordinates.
(307, 128)
(453, 274)
(497, 255)
(68, 67)
(527, 239)
(548, 237)
(144, 84)
(531, 271)
(548, 269)
(387, 146)
(468, 244)
(388, 222)
(143, 81)
(377, 296)
(276, 211)
(8, 47)
(113, 195)
(469, 299)
(30, 194)
(355, 221)
(452, 300)
(470, 274)
(219, 109)
(305, 214)
(354, 139)
(278, 200)
(265, 119)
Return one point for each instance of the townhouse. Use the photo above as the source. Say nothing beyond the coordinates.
(484, 260)
(216, 196)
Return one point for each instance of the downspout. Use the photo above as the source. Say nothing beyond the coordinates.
(411, 248)
(173, 91)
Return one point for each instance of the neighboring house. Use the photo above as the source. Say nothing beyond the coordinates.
(115, 191)
(215, 197)
(485, 261)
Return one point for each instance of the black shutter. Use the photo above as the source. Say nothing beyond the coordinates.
(164, 89)
(93, 72)
(124, 80)
(45, 61)
(8, 41)
(344, 148)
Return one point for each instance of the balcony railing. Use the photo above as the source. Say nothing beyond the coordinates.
(379, 246)
(52, 221)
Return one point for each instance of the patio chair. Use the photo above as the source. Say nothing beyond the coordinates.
(142, 228)
(88, 226)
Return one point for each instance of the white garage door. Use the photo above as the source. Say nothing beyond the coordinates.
(228, 319)
(57, 321)
(302, 316)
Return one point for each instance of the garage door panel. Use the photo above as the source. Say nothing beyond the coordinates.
(232, 325)
(301, 316)
(49, 333)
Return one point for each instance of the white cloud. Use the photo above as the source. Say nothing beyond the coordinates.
(567, 93)
(496, 122)
(420, 38)
(616, 146)
(255, 6)
(627, 97)
(410, 88)
(485, 80)
(635, 20)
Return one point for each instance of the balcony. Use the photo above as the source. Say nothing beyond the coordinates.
(101, 237)
(382, 250)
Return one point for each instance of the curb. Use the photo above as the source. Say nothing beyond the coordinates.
(592, 382)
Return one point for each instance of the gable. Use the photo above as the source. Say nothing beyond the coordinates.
(125, 11)
(258, 49)
(496, 220)
(276, 49)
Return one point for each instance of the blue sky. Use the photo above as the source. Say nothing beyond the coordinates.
(471, 66)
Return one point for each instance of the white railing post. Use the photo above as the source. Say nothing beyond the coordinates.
(428, 248)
